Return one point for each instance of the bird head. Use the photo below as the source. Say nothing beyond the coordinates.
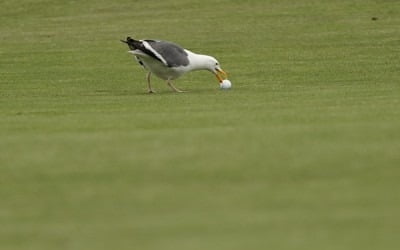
(213, 65)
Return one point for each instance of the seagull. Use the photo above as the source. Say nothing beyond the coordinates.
(169, 61)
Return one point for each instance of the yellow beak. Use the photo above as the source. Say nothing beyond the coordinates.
(221, 75)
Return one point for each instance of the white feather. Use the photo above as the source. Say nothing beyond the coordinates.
(148, 46)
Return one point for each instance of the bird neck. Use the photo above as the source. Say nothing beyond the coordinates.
(198, 61)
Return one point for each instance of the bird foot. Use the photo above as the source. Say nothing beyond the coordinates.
(175, 88)
(151, 91)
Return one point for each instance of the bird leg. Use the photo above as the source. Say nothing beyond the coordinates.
(173, 87)
(148, 82)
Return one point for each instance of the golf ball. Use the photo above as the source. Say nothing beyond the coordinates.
(226, 84)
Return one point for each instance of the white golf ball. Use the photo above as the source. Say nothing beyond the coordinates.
(226, 84)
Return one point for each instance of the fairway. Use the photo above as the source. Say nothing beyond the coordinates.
(302, 153)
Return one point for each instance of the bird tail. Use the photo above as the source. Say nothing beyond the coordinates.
(132, 43)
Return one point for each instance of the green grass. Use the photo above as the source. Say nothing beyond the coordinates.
(302, 153)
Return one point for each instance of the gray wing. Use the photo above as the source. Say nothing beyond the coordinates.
(171, 53)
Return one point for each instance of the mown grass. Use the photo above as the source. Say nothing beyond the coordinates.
(302, 153)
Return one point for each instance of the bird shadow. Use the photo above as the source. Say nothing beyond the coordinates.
(163, 92)
(144, 92)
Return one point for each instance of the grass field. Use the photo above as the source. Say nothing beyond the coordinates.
(302, 153)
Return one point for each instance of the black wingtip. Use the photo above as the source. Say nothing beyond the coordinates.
(129, 39)
(132, 43)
